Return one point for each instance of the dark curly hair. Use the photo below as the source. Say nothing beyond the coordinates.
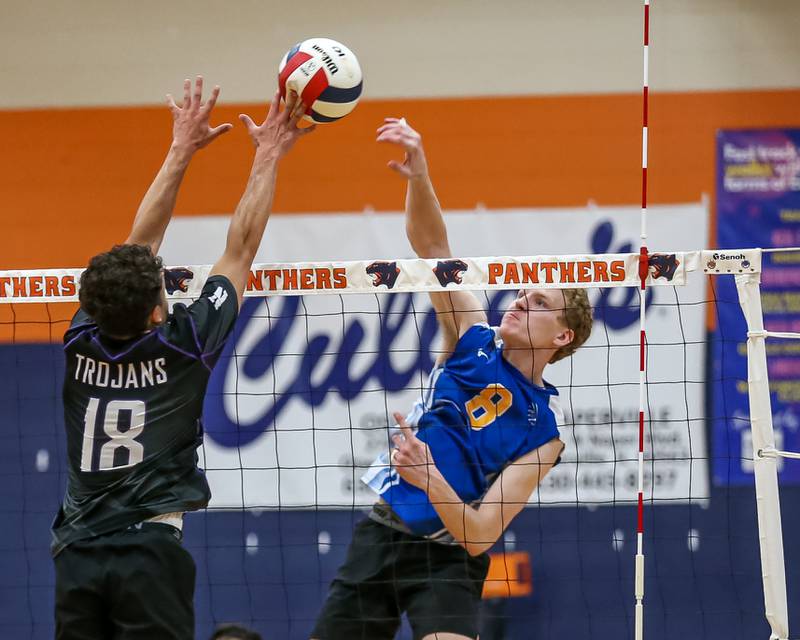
(120, 288)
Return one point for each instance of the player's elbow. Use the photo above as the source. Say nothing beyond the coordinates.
(480, 542)
(430, 249)
(239, 247)
(480, 531)
(426, 245)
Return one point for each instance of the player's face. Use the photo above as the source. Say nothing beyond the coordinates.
(535, 319)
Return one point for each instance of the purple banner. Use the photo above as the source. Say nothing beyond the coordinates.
(758, 205)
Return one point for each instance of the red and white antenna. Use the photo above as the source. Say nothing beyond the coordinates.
(643, 271)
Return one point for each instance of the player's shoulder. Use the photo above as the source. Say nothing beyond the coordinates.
(476, 347)
(547, 400)
(219, 289)
(209, 318)
(80, 325)
(217, 293)
(478, 335)
(545, 406)
(548, 389)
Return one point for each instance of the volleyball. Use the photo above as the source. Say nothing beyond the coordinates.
(325, 74)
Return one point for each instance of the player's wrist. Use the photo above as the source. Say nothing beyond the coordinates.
(417, 161)
(181, 152)
(266, 156)
(436, 486)
(418, 167)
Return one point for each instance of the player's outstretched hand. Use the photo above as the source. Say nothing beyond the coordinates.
(397, 131)
(412, 457)
(190, 128)
(279, 131)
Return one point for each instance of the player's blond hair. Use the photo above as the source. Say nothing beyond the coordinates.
(578, 317)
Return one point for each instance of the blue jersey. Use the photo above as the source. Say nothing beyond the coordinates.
(480, 413)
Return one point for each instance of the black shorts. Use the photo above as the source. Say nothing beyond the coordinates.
(134, 584)
(387, 573)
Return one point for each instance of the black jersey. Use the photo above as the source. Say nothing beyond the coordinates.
(132, 414)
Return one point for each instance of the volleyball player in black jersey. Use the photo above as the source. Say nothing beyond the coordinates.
(133, 395)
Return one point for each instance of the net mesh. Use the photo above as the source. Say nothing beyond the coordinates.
(299, 407)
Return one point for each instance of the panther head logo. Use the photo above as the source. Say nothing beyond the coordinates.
(177, 279)
(383, 273)
(663, 265)
(448, 271)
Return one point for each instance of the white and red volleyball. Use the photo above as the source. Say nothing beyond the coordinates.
(325, 74)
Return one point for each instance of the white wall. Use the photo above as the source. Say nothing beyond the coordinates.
(100, 52)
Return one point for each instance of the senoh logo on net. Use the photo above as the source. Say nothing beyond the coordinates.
(729, 256)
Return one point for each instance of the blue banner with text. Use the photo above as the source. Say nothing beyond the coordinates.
(758, 205)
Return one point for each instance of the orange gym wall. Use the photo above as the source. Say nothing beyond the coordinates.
(71, 179)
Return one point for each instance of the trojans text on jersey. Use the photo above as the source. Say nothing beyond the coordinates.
(130, 375)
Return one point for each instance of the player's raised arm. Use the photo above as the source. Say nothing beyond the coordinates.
(457, 311)
(272, 139)
(190, 132)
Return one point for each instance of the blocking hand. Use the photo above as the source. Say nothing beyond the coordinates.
(190, 129)
(279, 131)
(397, 131)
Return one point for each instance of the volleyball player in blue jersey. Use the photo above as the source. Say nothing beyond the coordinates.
(487, 433)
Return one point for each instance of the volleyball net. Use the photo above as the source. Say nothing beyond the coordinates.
(299, 407)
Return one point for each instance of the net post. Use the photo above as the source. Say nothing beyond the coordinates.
(765, 468)
(644, 269)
